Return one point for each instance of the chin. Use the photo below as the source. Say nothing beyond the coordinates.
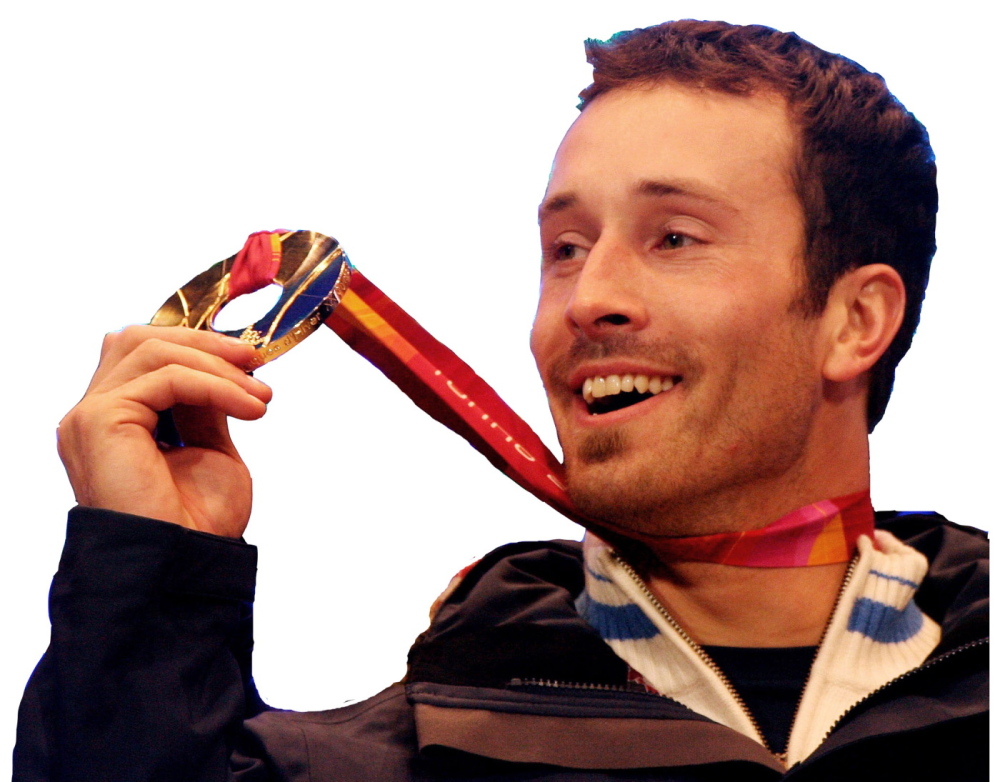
(605, 486)
(641, 500)
(610, 491)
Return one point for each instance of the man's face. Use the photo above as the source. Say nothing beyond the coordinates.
(672, 254)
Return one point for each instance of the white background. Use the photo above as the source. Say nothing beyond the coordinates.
(144, 142)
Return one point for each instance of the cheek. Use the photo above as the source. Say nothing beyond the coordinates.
(750, 347)
(546, 329)
(537, 340)
(755, 318)
(721, 329)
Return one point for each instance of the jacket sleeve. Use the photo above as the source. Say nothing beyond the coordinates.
(147, 674)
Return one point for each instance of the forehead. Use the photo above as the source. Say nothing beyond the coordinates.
(735, 148)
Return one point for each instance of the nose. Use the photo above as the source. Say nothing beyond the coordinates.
(607, 296)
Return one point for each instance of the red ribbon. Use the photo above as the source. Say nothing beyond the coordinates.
(448, 390)
(256, 264)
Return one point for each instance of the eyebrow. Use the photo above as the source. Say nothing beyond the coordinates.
(646, 187)
(683, 188)
(556, 203)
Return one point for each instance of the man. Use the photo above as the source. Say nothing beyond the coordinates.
(736, 237)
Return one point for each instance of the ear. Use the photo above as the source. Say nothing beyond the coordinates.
(863, 313)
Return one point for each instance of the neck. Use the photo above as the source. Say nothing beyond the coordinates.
(732, 605)
(725, 605)
(749, 597)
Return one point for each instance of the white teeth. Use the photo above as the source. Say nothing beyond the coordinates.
(597, 387)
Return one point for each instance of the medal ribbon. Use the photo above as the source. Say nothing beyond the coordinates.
(818, 534)
(448, 390)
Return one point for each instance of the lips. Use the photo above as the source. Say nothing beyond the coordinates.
(605, 393)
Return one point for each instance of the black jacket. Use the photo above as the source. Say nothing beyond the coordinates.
(148, 678)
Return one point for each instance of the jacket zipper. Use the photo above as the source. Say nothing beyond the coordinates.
(929, 664)
(705, 658)
(567, 685)
(701, 653)
(554, 683)
(848, 576)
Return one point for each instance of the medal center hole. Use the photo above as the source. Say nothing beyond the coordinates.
(247, 309)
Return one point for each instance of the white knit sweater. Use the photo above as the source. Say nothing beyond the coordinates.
(876, 634)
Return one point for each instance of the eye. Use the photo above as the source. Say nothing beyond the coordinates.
(564, 251)
(675, 241)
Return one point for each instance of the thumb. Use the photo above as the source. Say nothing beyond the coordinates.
(203, 427)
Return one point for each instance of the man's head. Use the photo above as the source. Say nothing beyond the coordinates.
(864, 172)
(676, 230)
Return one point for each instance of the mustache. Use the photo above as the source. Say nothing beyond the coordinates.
(680, 360)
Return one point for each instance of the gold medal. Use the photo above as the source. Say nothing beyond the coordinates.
(314, 273)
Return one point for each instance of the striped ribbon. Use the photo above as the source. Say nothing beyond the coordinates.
(447, 389)
(818, 534)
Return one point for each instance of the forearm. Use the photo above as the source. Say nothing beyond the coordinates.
(147, 674)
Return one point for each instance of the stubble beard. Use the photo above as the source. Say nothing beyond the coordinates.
(598, 489)
(603, 485)
(704, 491)
(602, 447)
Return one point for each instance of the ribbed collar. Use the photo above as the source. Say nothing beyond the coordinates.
(876, 633)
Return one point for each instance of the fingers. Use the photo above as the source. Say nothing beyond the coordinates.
(144, 348)
(203, 428)
(105, 441)
(148, 369)
(163, 361)
(118, 343)
(116, 414)
(176, 384)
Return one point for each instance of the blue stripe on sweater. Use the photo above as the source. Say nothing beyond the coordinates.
(597, 576)
(891, 577)
(885, 624)
(616, 623)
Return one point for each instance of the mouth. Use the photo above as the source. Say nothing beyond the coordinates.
(605, 394)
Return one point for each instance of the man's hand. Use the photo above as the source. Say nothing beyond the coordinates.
(106, 442)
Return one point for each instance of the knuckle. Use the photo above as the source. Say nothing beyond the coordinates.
(123, 341)
(70, 425)
(150, 347)
(111, 340)
(153, 353)
(170, 371)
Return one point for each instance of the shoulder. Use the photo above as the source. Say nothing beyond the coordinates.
(933, 532)
(515, 606)
(946, 545)
(555, 560)
(955, 591)
(514, 578)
